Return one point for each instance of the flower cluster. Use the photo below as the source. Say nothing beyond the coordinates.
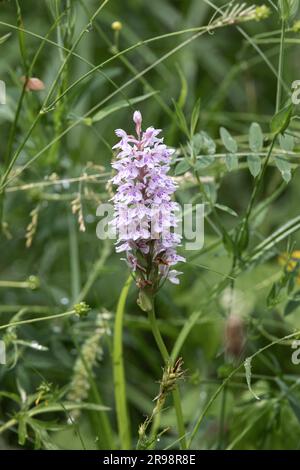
(145, 217)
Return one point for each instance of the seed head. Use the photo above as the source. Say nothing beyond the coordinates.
(81, 309)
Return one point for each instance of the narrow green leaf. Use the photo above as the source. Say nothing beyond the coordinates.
(4, 38)
(247, 365)
(195, 116)
(228, 242)
(288, 8)
(66, 405)
(243, 237)
(226, 209)
(291, 306)
(22, 430)
(281, 120)
(274, 297)
(184, 88)
(181, 119)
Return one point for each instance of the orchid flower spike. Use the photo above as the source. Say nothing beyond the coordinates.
(144, 216)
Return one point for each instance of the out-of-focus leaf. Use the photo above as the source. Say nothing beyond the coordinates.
(293, 402)
(291, 306)
(22, 430)
(226, 209)
(254, 164)
(181, 119)
(202, 143)
(287, 142)
(284, 167)
(195, 116)
(228, 141)
(203, 162)
(182, 167)
(67, 405)
(281, 120)
(256, 137)
(184, 88)
(232, 162)
(4, 38)
(288, 8)
(228, 242)
(247, 365)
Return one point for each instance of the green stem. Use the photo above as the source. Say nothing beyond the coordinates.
(118, 371)
(157, 336)
(74, 259)
(34, 320)
(257, 188)
(9, 424)
(222, 420)
(16, 284)
(166, 357)
(280, 67)
(94, 273)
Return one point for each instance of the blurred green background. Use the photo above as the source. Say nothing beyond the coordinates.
(233, 72)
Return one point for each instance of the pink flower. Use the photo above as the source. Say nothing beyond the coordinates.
(144, 211)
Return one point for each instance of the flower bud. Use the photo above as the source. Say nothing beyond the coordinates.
(116, 26)
(33, 83)
(137, 119)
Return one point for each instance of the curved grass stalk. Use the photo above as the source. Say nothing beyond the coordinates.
(280, 66)
(35, 320)
(118, 371)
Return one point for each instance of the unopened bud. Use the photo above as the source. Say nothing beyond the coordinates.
(33, 84)
(116, 26)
